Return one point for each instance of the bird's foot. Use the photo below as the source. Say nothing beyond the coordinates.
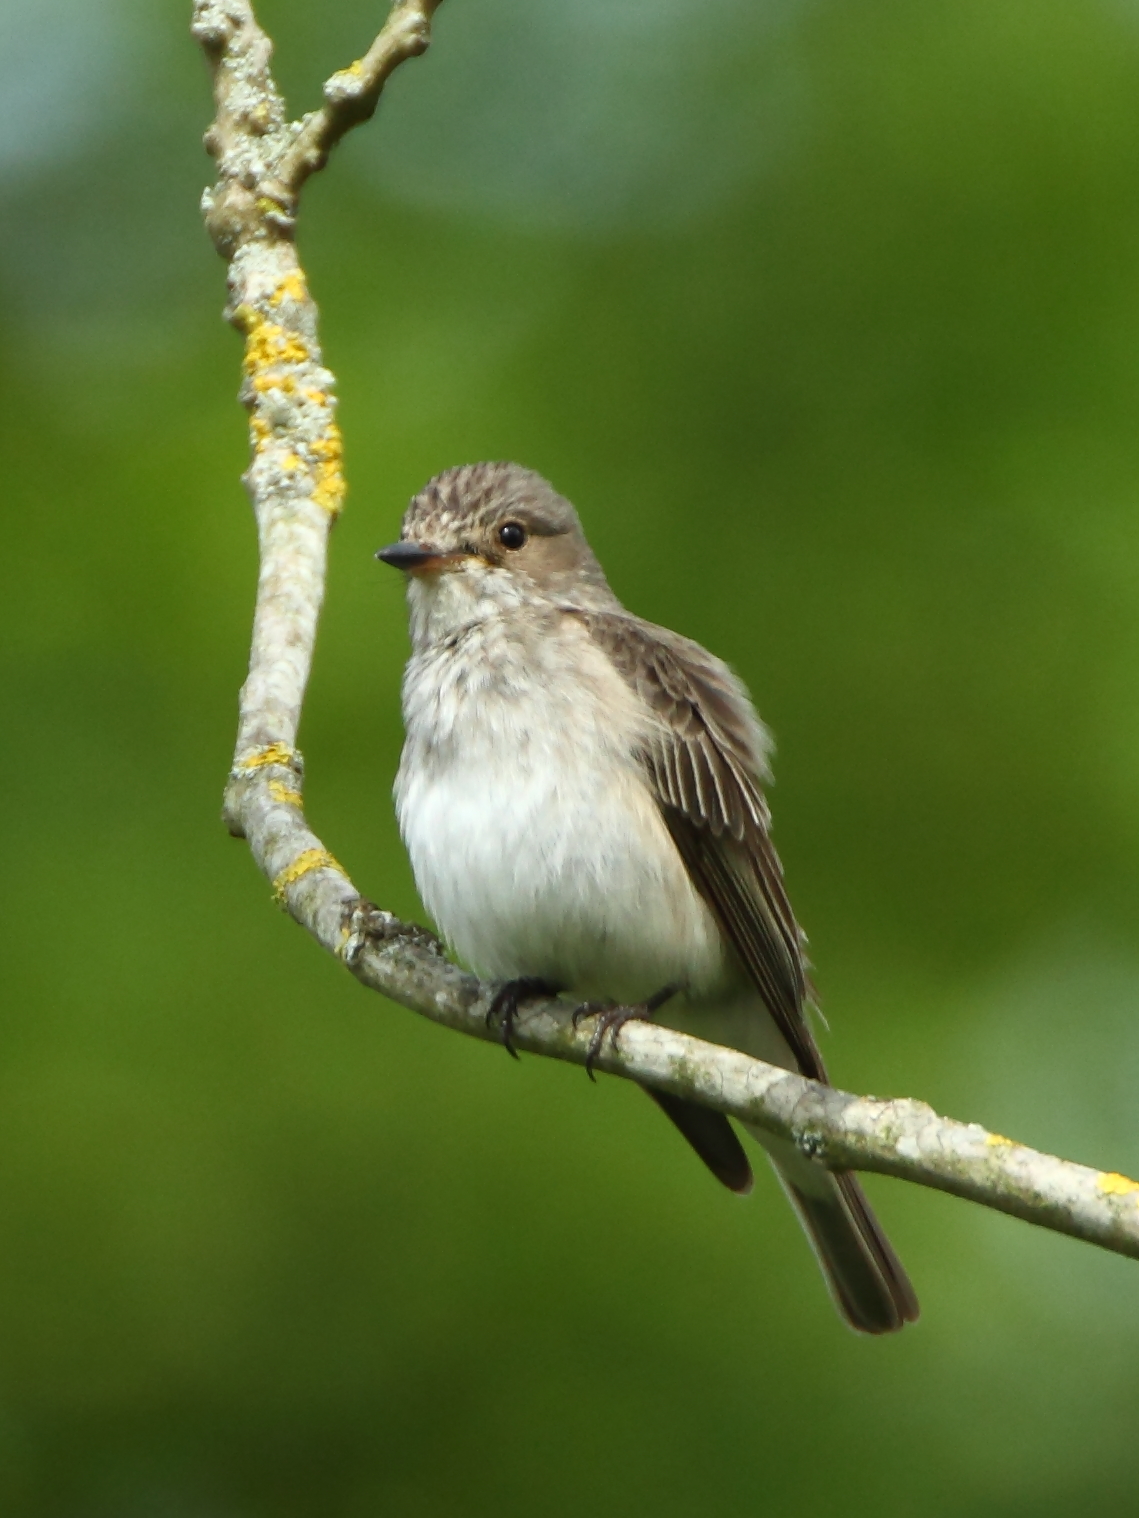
(611, 1018)
(509, 998)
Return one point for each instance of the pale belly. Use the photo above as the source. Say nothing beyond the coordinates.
(535, 861)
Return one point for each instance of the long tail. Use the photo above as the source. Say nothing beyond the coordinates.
(866, 1279)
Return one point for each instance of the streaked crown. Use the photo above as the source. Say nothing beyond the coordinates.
(502, 516)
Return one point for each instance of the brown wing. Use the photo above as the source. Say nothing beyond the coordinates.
(707, 761)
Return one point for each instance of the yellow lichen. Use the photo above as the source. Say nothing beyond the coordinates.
(353, 71)
(1111, 1183)
(292, 287)
(304, 864)
(291, 461)
(318, 397)
(263, 382)
(329, 489)
(268, 344)
(273, 753)
(996, 1140)
(260, 429)
(285, 794)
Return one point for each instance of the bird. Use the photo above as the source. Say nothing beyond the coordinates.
(581, 796)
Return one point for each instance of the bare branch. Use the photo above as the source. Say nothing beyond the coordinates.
(296, 486)
(352, 94)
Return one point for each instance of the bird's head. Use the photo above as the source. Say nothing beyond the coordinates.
(484, 538)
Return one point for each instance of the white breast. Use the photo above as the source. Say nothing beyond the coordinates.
(535, 842)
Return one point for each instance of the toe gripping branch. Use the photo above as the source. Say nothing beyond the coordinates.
(508, 999)
(611, 1018)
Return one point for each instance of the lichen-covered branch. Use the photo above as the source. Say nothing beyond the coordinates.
(296, 485)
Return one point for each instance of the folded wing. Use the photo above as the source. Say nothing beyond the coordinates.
(705, 756)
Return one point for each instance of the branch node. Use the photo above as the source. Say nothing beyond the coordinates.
(211, 33)
(366, 924)
(811, 1144)
(345, 84)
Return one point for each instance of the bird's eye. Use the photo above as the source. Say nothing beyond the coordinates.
(512, 535)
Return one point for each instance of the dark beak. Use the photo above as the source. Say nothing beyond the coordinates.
(410, 556)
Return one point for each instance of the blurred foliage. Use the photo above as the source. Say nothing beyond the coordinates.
(827, 317)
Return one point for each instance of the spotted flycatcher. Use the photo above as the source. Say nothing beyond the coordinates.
(581, 795)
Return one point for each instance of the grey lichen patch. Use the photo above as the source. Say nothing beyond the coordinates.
(811, 1144)
(368, 926)
(686, 1075)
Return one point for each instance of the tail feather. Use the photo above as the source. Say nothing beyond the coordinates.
(866, 1279)
(713, 1138)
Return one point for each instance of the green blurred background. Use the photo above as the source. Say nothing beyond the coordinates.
(826, 314)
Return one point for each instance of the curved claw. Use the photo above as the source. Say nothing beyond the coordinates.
(611, 1021)
(600, 1009)
(507, 1000)
(591, 1009)
(611, 1018)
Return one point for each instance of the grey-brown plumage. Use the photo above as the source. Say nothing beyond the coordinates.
(706, 769)
(581, 794)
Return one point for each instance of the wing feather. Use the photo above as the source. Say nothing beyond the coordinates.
(706, 759)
